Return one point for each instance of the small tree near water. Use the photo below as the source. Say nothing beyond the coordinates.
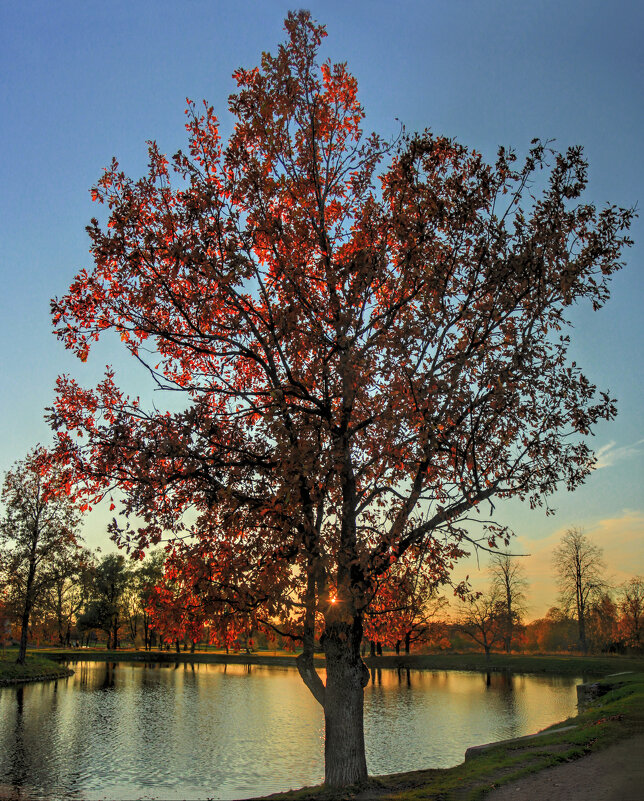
(482, 618)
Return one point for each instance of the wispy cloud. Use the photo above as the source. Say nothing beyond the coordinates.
(608, 454)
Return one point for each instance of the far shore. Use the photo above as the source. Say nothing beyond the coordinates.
(566, 665)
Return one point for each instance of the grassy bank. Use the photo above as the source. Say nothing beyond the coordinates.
(516, 663)
(614, 716)
(36, 668)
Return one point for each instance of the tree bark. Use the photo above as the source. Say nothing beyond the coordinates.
(582, 633)
(22, 650)
(407, 642)
(346, 677)
(26, 612)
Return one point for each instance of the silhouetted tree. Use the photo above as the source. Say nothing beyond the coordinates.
(482, 618)
(581, 570)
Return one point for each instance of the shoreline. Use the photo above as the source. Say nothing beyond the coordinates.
(36, 668)
(614, 715)
(514, 663)
(614, 718)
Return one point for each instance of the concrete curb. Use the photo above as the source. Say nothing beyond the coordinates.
(475, 750)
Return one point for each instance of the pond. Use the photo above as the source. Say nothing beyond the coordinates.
(194, 731)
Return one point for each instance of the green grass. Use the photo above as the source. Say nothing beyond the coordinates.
(36, 668)
(612, 717)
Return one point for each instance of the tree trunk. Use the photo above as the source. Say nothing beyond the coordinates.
(407, 642)
(346, 677)
(397, 647)
(509, 622)
(581, 609)
(582, 633)
(22, 650)
(372, 647)
(379, 648)
(26, 612)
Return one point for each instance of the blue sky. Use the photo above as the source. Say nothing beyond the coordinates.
(82, 81)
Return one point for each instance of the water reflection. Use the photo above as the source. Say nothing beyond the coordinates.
(191, 730)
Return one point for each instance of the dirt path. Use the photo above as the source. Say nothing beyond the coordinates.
(615, 774)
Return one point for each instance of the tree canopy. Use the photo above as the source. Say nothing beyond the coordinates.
(368, 341)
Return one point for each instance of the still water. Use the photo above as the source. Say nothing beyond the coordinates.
(148, 731)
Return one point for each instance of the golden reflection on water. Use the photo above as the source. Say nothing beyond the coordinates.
(191, 730)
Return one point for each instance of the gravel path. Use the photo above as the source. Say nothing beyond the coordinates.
(615, 774)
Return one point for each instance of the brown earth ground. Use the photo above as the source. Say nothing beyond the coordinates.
(614, 774)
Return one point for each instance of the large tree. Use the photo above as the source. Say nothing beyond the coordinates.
(38, 530)
(581, 570)
(363, 344)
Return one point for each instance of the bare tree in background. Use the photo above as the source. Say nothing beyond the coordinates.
(509, 582)
(580, 568)
(480, 617)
